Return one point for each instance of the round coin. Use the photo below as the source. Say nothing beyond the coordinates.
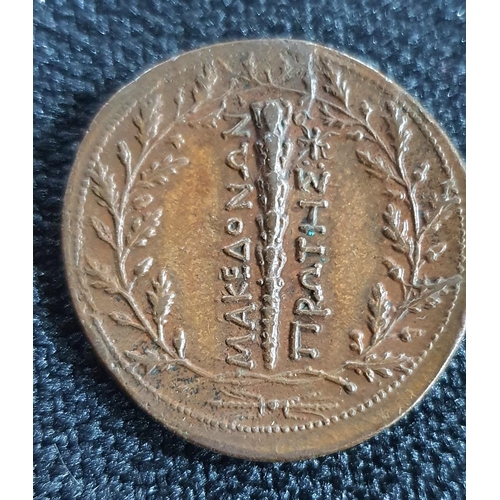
(264, 241)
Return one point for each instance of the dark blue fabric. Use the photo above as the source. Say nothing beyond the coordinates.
(90, 440)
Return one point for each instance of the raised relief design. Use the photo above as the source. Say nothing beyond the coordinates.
(131, 224)
(411, 223)
(312, 188)
(236, 279)
(272, 120)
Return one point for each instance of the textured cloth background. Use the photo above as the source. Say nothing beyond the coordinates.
(90, 440)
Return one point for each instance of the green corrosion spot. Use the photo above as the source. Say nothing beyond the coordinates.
(310, 232)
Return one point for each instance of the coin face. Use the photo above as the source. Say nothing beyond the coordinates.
(264, 242)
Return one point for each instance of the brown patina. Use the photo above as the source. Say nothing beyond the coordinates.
(264, 242)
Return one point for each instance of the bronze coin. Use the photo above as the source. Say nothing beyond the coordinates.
(264, 241)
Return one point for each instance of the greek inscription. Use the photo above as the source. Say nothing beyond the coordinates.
(309, 307)
(236, 293)
(304, 250)
(242, 359)
(241, 128)
(236, 279)
(297, 351)
(234, 226)
(242, 191)
(237, 160)
(239, 317)
(306, 275)
(416, 210)
(309, 252)
(312, 226)
(234, 273)
(307, 179)
(239, 250)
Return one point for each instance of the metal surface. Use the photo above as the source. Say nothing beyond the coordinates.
(264, 242)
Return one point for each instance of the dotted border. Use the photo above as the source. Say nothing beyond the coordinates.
(234, 426)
